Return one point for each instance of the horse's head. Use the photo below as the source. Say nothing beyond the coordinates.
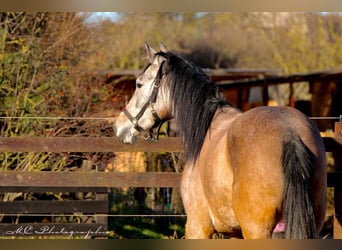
(150, 103)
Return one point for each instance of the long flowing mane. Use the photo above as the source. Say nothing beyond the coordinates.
(194, 101)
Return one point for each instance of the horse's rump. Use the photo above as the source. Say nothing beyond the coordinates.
(278, 158)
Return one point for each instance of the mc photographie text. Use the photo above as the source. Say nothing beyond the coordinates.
(49, 230)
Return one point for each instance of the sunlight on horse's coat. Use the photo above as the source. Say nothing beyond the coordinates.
(245, 172)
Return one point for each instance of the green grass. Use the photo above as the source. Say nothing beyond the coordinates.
(146, 227)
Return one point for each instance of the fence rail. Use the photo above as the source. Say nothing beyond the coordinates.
(57, 181)
(109, 144)
(83, 181)
(85, 144)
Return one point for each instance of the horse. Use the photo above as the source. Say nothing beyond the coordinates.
(245, 172)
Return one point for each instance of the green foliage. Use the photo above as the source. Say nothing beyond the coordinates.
(39, 53)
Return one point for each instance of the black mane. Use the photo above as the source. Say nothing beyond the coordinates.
(194, 101)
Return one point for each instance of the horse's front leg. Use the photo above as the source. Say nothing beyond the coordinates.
(198, 223)
(198, 226)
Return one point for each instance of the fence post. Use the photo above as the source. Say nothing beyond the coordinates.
(338, 189)
(99, 218)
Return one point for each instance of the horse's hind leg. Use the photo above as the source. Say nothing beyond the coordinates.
(256, 230)
(257, 219)
(257, 205)
(254, 222)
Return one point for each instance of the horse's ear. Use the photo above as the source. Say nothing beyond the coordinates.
(163, 48)
(150, 52)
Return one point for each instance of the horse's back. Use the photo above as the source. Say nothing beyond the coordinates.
(264, 125)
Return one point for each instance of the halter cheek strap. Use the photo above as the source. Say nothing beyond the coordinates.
(147, 134)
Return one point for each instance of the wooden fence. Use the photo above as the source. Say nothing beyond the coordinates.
(100, 182)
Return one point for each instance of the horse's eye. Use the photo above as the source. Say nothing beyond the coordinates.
(139, 85)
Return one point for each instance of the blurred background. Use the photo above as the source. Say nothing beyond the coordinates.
(76, 65)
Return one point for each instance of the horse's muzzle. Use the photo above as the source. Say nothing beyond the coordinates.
(125, 134)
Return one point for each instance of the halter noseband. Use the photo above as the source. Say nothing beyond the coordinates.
(148, 134)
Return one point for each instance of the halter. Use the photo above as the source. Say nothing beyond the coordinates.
(148, 134)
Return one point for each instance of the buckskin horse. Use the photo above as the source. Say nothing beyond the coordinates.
(245, 171)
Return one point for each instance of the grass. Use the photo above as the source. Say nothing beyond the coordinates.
(125, 222)
(146, 227)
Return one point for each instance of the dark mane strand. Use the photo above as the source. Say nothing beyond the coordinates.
(195, 100)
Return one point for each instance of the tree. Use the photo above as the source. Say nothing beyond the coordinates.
(39, 58)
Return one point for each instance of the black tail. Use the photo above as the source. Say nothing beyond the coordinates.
(298, 209)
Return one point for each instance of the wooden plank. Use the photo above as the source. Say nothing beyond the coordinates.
(337, 234)
(338, 213)
(338, 189)
(100, 182)
(102, 197)
(59, 189)
(332, 144)
(53, 229)
(53, 206)
(338, 129)
(106, 144)
(335, 179)
(86, 144)
(276, 80)
(87, 179)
